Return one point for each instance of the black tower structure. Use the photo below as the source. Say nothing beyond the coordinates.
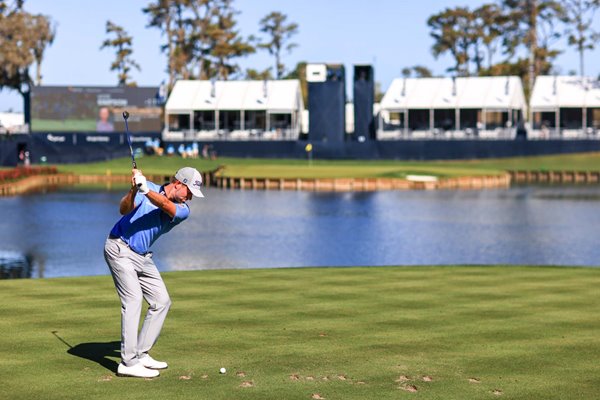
(364, 97)
(326, 102)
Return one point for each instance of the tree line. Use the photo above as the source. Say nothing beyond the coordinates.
(513, 37)
(201, 40)
(24, 38)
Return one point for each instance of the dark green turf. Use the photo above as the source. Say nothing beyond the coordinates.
(290, 168)
(340, 333)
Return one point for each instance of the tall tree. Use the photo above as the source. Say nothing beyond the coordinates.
(228, 44)
(183, 23)
(579, 18)
(46, 32)
(161, 14)
(452, 31)
(279, 33)
(201, 24)
(490, 22)
(23, 40)
(121, 43)
(532, 26)
(299, 72)
(201, 39)
(420, 71)
(255, 75)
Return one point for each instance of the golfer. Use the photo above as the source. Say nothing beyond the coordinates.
(148, 210)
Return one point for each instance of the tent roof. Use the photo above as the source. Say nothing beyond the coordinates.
(256, 95)
(231, 94)
(469, 92)
(205, 97)
(274, 96)
(182, 96)
(279, 96)
(550, 92)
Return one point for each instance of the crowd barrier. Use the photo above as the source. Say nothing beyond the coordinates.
(53, 148)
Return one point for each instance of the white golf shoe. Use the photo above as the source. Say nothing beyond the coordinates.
(136, 371)
(151, 363)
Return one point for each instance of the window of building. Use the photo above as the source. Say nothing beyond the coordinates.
(496, 119)
(571, 118)
(178, 122)
(418, 120)
(204, 120)
(255, 120)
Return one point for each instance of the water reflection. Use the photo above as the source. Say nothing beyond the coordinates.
(258, 229)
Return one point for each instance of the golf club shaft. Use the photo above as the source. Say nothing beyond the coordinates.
(125, 117)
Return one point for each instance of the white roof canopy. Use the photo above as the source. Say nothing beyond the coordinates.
(186, 92)
(551, 92)
(497, 92)
(276, 96)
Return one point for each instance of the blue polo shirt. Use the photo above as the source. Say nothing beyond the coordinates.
(146, 222)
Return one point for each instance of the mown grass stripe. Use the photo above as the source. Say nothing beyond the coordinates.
(529, 332)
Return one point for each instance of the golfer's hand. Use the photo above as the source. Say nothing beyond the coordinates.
(142, 185)
(134, 173)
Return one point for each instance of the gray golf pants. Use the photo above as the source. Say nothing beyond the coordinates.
(137, 277)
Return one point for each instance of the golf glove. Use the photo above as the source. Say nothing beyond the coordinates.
(142, 185)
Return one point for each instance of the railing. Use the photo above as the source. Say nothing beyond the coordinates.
(396, 132)
(441, 134)
(564, 133)
(223, 134)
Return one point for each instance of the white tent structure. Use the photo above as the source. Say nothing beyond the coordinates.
(12, 123)
(234, 110)
(486, 107)
(565, 107)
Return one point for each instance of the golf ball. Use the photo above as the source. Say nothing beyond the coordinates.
(222, 370)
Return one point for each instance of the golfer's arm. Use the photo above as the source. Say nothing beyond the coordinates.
(162, 202)
(127, 203)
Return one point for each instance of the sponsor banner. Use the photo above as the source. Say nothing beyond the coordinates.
(94, 138)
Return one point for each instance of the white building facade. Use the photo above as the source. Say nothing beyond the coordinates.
(466, 107)
(565, 107)
(234, 110)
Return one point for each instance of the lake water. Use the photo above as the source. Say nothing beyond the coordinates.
(64, 231)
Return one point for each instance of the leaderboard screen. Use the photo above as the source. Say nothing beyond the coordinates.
(95, 109)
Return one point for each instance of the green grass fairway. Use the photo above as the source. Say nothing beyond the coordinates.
(333, 333)
(288, 168)
(282, 168)
(563, 162)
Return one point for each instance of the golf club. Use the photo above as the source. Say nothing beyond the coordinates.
(133, 163)
(125, 117)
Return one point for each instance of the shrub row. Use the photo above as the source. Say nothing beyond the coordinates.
(23, 172)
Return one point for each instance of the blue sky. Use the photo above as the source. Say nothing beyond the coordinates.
(389, 34)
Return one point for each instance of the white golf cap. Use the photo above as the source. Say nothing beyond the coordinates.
(191, 178)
